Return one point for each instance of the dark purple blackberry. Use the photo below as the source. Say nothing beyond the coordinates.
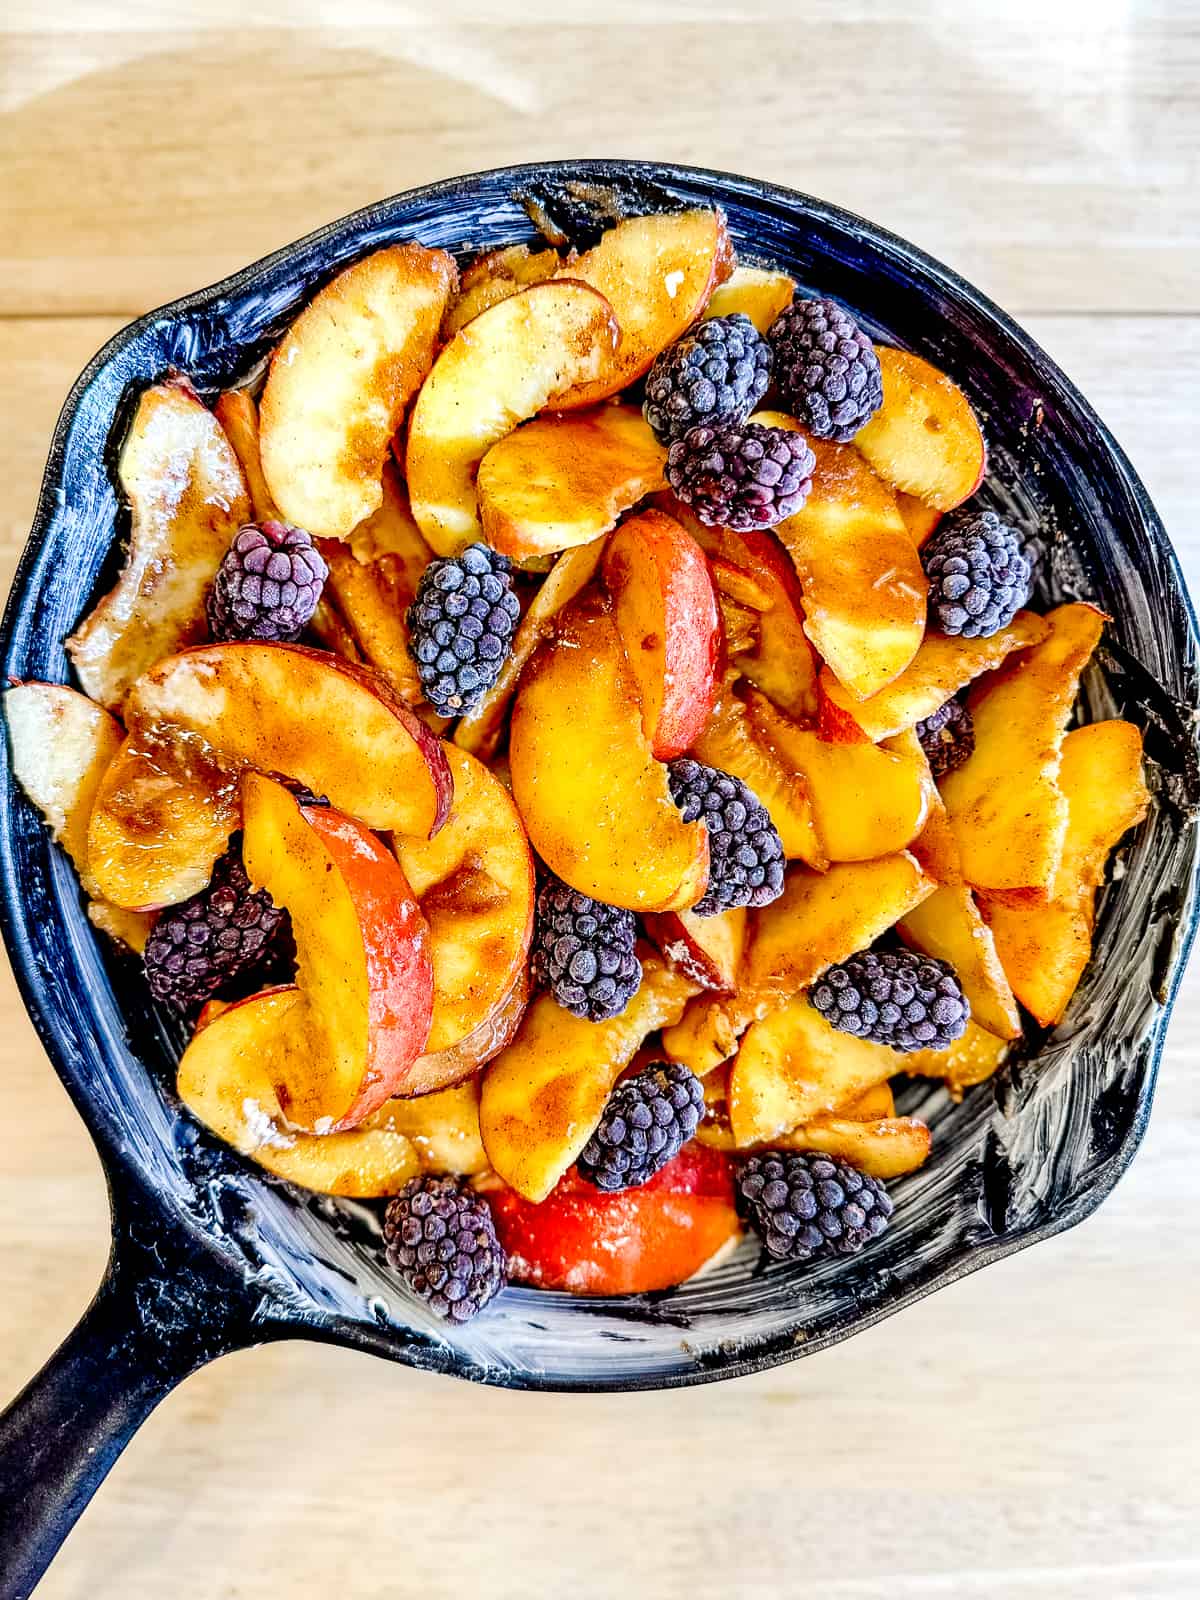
(220, 934)
(745, 854)
(267, 585)
(716, 373)
(826, 369)
(584, 952)
(979, 574)
(803, 1206)
(895, 997)
(741, 475)
(461, 627)
(439, 1236)
(646, 1123)
(947, 737)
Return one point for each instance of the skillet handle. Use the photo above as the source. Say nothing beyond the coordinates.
(145, 1331)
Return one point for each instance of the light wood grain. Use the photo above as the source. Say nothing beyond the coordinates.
(1032, 1432)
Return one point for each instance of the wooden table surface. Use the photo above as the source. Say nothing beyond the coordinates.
(1033, 1432)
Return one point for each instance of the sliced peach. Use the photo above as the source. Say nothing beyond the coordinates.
(362, 954)
(666, 612)
(513, 360)
(919, 519)
(583, 1241)
(563, 480)
(572, 572)
(443, 1128)
(162, 815)
(336, 728)
(924, 439)
(390, 538)
(866, 801)
(341, 380)
(445, 1068)
(657, 272)
(366, 601)
(707, 950)
(475, 885)
(760, 293)
(1004, 802)
(595, 802)
(237, 412)
(864, 587)
(494, 277)
(187, 497)
(940, 668)
(1045, 943)
(332, 632)
(231, 1077)
(876, 1141)
(544, 1095)
(971, 1059)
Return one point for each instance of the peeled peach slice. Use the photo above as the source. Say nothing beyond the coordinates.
(237, 412)
(583, 1241)
(1004, 802)
(940, 668)
(919, 519)
(657, 272)
(1045, 943)
(707, 950)
(362, 954)
(336, 728)
(494, 277)
(475, 886)
(390, 538)
(864, 587)
(544, 1095)
(231, 1076)
(760, 293)
(367, 604)
(866, 1133)
(972, 1059)
(188, 498)
(666, 612)
(513, 360)
(924, 439)
(443, 1128)
(341, 380)
(563, 480)
(595, 802)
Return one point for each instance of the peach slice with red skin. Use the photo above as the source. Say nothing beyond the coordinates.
(337, 728)
(707, 950)
(586, 1242)
(658, 273)
(341, 380)
(924, 440)
(362, 955)
(595, 803)
(666, 612)
(563, 480)
(514, 360)
(445, 1068)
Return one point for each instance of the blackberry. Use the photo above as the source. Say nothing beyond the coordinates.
(716, 373)
(461, 627)
(222, 933)
(826, 369)
(584, 952)
(439, 1236)
(947, 737)
(979, 574)
(745, 854)
(741, 475)
(803, 1206)
(895, 997)
(646, 1123)
(267, 585)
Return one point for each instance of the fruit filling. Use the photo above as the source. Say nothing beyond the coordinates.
(565, 742)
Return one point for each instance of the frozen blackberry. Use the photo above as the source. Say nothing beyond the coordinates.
(803, 1206)
(584, 952)
(979, 574)
(741, 475)
(439, 1236)
(646, 1123)
(745, 855)
(947, 737)
(826, 369)
(461, 627)
(267, 585)
(220, 934)
(895, 997)
(716, 373)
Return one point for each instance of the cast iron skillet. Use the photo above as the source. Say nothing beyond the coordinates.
(211, 1255)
